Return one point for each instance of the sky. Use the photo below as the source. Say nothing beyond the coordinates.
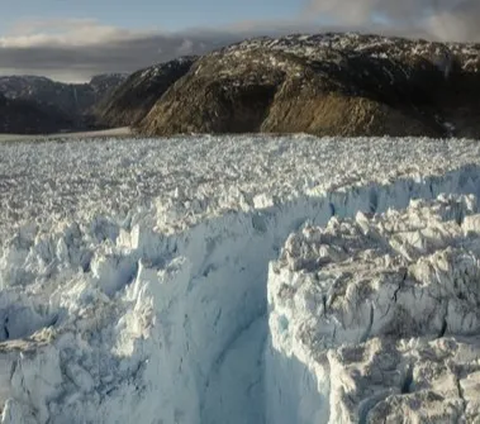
(152, 14)
(72, 40)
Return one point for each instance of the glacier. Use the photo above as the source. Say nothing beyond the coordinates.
(177, 280)
(378, 310)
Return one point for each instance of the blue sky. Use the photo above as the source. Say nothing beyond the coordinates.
(151, 14)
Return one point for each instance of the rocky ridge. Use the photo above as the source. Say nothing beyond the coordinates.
(326, 84)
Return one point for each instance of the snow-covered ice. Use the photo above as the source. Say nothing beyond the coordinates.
(362, 302)
(158, 281)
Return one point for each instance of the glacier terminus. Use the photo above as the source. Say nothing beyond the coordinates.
(240, 279)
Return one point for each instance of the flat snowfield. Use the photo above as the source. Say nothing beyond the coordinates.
(154, 280)
(113, 132)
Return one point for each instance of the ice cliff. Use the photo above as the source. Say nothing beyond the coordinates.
(239, 280)
(381, 313)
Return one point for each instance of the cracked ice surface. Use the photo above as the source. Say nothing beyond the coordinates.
(191, 179)
(133, 273)
(383, 314)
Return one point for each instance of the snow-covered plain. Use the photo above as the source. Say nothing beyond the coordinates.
(232, 279)
(113, 132)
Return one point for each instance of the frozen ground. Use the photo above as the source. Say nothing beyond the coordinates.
(158, 281)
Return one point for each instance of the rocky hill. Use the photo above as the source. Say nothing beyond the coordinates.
(131, 101)
(326, 84)
(68, 103)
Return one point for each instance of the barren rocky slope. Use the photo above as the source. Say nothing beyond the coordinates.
(326, 84)
(131, 101)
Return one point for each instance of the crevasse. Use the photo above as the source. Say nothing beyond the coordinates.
(149, 328)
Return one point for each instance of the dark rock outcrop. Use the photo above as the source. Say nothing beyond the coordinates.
(130, 102)
(327, 84)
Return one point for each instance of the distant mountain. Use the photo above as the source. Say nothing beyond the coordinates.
(26, 117)
(130, 102)
(74, 102)
(325, 84)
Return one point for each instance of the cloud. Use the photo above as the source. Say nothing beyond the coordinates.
(457, 22)
(452, 20)
(65, 32)
(77, 49)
